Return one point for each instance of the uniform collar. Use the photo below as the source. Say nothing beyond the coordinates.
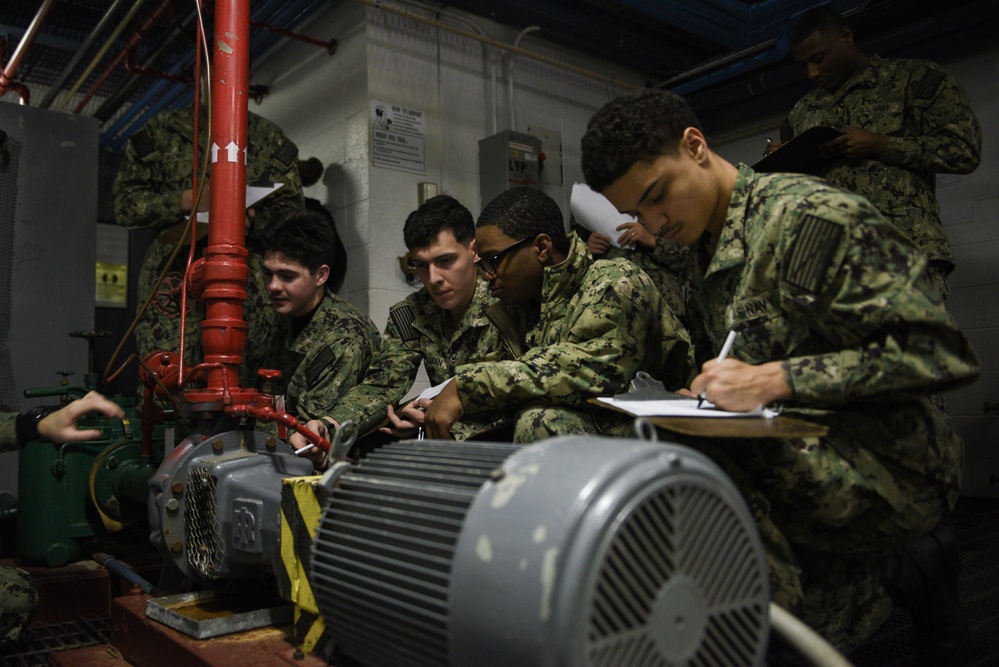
(562, 280)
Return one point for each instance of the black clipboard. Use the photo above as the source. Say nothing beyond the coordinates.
(800, 155)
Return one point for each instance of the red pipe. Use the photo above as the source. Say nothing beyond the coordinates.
(133, 41)
(330, 45)
(10, 69)
(223, 331)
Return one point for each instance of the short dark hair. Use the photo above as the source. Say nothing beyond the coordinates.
(639, 127)
(817, 19)
(523, 212)
(425, 224)
(303, 236)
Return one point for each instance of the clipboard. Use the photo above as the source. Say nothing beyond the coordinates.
(781, 426)
(801, 154)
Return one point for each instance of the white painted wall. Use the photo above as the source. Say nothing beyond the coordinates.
(323, 103)
(448, 76)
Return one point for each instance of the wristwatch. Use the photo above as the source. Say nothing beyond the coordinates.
(27, 423)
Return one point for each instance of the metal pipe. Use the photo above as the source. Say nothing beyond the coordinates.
(115, 566)
(509, 75)
(136, 37)
(114, 102)
(503, 45)
(223, 331)
(81, 53)
(7, 73)
(97, 58)
(329, 45)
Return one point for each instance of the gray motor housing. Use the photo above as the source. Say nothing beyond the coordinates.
(573, 551)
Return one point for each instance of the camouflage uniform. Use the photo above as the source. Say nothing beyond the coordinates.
(415, 334)
(599, 323)
(931, 128)
(815, 276)
(18, 597)
(155, 171)
(325, 359)
(664, 263)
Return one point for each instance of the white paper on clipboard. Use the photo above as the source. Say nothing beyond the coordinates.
(254, 193)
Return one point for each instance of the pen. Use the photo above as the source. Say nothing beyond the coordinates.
(726, 348)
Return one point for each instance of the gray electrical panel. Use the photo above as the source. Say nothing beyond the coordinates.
(507, 160)
(48, 223)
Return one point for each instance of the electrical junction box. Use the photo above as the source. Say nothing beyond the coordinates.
(507, 160)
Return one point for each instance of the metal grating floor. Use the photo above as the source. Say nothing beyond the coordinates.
(38, 643)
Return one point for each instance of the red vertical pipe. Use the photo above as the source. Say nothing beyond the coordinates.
(223, 331)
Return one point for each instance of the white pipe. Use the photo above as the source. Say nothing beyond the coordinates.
(808, 642)
(509, 75)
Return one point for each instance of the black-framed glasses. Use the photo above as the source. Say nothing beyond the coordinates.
(491, 263)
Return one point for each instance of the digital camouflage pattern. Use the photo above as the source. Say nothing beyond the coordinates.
(18, 602)
(815, 276)
(328, 356)
(146, 194)
(599, 323)
(931, 128)
(414, 334)
(664, 263)
(18, 597)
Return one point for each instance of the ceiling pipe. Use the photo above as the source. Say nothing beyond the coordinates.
(108, 43)
(180, 29)
(78, 57)
(975, 17)
(158, 13)
(7, 73)
(509, 74)
(133, 119)
(287, 15)
(627, 85)
(773, 50)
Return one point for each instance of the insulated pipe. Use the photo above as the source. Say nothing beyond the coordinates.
(223, 331)
(7, 73)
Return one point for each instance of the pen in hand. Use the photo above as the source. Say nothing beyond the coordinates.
(726, 348)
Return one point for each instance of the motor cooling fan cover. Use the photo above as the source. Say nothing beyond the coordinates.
(574, 551)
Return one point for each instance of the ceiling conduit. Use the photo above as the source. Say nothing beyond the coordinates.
(81, 53)
(967, 18)
(142, 109)
(160, 11)
(7, 73)
(108, 43)
(764, 53)
(180, 30)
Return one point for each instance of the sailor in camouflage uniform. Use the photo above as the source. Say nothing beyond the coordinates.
(905, 122)
(153, 191)
(595, 325)
(18, 597)
(662, 259)
(837, 318)
(321, 343)
(452, 320)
